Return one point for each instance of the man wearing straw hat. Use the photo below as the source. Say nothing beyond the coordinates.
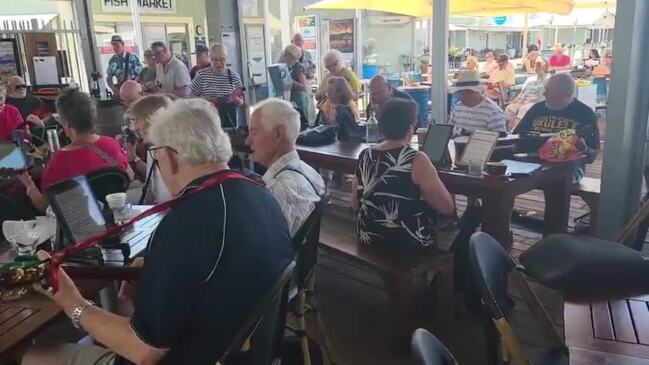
(474, 111)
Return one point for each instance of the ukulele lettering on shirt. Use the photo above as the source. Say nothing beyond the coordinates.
(553, 124)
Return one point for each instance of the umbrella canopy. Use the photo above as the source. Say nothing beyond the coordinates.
(422, 8)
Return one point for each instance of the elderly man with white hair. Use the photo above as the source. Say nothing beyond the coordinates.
(306, 59)
(203, 272)
(335, 65)
(561, 111)
(274, 127)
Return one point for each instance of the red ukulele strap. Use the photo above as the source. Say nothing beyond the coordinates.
(59, 256)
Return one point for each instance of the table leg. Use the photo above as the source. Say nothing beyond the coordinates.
(557, 205)
(496, 217)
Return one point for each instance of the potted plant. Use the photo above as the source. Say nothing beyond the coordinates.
(424, 61)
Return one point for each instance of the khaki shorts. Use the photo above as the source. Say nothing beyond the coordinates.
(76, 354)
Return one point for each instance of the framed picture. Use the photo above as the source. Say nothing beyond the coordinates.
(9, 59)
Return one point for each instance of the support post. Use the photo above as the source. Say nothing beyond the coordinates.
(628, 112)
(439, 61)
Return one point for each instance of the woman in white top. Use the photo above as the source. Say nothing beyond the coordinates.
(154, 190)
(532, 93)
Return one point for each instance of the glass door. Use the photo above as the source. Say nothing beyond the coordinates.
(178, 42)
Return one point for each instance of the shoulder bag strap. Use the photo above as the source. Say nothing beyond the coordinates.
(127, 58)
(112, 161)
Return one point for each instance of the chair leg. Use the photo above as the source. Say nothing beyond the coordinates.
(325, 337)
(301, 326)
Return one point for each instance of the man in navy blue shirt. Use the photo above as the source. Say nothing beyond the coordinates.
(204, 271)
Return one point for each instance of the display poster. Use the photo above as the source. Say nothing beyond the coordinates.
(256, 53)
(341, 35)
(45, 70)
(9, 64)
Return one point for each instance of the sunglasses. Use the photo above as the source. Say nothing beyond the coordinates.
(18, 87)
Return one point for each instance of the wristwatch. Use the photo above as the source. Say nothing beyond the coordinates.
(78, 311)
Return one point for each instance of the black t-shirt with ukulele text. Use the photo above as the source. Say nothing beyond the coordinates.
(577, 116)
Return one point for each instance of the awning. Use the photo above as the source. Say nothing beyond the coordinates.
(422, 8)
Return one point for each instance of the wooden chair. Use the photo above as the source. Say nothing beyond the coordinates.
(428, 350)
(492, 268)
(306, 241)
(260, 336)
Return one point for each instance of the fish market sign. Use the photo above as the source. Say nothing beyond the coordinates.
(146, 6)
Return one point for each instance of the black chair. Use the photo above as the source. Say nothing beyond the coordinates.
(305, 243)
(428, 350)
(108, 181)
(492, 267)
(261, 334)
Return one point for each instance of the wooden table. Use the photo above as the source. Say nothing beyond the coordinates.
(612, 331)
(497, 194)
(20, 319)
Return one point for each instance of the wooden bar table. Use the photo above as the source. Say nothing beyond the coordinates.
(497, 194)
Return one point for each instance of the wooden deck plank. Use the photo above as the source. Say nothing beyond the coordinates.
(640, 316)
(622, 323)
(602, 322)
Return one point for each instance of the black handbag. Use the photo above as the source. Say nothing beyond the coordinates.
(318, 136)
(586, 266)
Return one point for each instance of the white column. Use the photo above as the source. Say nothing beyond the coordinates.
(525, 35)
(137, 28)
(439, 61)
(628, 112)
(284, 19)
(267, 44)
(358, 44)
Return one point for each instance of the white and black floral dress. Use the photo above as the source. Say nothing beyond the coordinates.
(392, 213)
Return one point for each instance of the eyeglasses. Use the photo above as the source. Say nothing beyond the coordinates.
(18, 87)
(153, 152)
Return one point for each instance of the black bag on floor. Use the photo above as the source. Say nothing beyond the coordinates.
(586, 266)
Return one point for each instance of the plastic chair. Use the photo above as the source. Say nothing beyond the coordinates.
(261, 334)
(492, 267)
(305, 242)
(429, 351)
(107, 181)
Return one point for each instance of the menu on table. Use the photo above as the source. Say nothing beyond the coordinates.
(479, 147)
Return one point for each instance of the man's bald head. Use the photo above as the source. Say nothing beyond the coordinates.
(16, 87)
(559, 91)
(130, 91)
(380, 91)
(298, 40)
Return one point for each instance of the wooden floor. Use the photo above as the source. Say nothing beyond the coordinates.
(353, 303)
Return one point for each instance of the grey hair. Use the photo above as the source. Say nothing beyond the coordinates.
(565, 81)
(159, 44)
(275, 112)
(334, 54)
(293, 51)
(219, 50)
(191, 127)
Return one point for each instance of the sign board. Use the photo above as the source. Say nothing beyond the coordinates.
(146, 6)
(45, 70)
(499, 20)
(256, 53)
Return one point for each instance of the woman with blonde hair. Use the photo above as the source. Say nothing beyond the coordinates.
(299, 94)
(340, 109)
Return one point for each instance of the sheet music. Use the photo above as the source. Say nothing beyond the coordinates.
(80, 213)
(480, 146)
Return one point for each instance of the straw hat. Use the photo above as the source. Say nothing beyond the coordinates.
(468, 80)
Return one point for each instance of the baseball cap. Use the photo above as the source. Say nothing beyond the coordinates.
(201, 49)
(116, 38)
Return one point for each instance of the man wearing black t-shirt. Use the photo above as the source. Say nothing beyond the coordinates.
(204, 270)
(31, 108)
(380, 92)
(561, 111)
